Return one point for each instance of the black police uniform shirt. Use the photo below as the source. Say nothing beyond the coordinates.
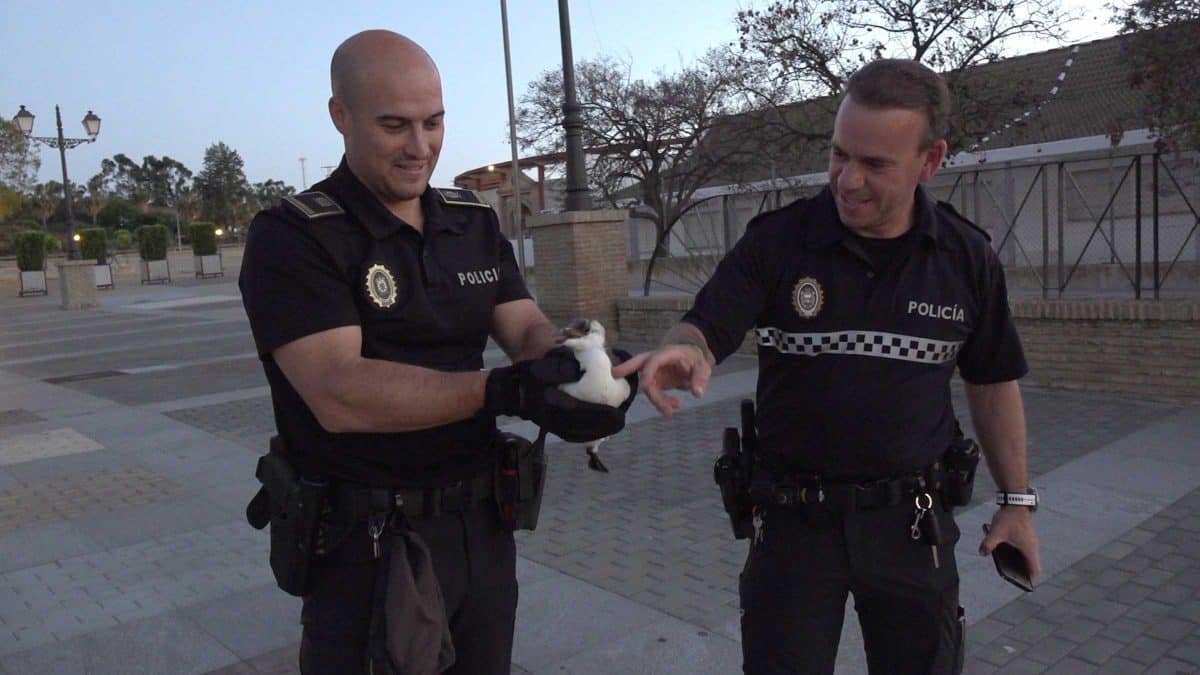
(855, 361)
(421, 299)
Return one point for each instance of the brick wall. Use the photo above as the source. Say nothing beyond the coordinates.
(584, 254)
(1142, 349)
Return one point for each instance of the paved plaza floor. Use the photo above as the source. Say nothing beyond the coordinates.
(129, 435)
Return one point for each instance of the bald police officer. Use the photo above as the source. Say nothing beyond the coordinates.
(865, 298)
(371, 298)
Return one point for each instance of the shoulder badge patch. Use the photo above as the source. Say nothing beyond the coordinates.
(381, 286)
(313, 205)
(808, 297)
(949, 209)
(460, 197)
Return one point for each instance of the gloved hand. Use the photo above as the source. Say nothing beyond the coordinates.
(529, 390)
(621, 356)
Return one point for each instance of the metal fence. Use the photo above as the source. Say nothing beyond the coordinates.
(1097, 224)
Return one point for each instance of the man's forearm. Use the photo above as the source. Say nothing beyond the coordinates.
(539, 338)
(684, 333)
(999, 417)
(371, 396)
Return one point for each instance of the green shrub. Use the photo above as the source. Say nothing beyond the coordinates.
(31, 250)
(51, 243)
(203, 237)
(152, 242)
(93, 244)
(124, 239)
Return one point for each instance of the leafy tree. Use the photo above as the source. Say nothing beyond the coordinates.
(164, 180)
(118, 213)
(19, 162)
(807, 49)
(97, 195)
(645, 137)
(222, 185)
(1164, 55)
(268, 193)
(44, 200)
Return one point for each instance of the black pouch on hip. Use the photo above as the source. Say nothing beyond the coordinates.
(409, 633)
(293, 506)
(960, 461)
(520, 480)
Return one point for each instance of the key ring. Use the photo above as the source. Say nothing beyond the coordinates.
(928, 502)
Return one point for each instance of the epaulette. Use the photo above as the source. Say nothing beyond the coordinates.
(960, 218)
(460, 197)
(313, 205)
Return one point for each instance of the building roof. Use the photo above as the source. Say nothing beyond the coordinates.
(1067, 92)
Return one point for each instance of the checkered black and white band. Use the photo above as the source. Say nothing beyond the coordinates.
(861, 343)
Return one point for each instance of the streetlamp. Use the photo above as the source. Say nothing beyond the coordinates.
(91, 124)
(579, 197)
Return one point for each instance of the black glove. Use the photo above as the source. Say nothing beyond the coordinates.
(529, 390)
(620, 356)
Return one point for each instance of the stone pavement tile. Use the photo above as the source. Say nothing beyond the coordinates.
(32, 546)
(551, 626)
(1097, 649)
(1145, 649)
(67, 497)
(1072, 666)
(44, 444)
(251, 622)
(163, 644)
(136, 523)
(19, 416)
(1171, 667)
(664, 647)
(1120, 666)
(57, 468)
(1050, 649)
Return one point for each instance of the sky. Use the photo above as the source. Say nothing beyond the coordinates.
(172, 78)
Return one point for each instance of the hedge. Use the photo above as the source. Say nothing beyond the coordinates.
(152, 242)
(203, 237)
(124, 239)
(31, 250)
(93, 244)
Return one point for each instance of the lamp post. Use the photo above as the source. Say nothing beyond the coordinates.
(579, 198)
(91, 124)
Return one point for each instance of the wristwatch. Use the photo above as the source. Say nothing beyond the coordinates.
(1028, 499)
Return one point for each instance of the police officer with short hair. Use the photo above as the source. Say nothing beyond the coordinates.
(371, 298)
(865, 298)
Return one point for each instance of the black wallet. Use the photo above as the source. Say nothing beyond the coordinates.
(1011, 565)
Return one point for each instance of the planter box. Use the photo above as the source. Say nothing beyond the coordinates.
(208, 266)
(33, 283)
(104, 277)
(156, 272)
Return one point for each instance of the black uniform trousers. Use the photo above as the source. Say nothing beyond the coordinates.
(474, 559)
(794, 586)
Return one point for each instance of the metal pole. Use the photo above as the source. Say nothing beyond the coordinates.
(517, 220)
(303, 177)
(1045, 235)
(1154, 201)
(1137, 226)
(72, 245)
(578, 196)
(1062, 208)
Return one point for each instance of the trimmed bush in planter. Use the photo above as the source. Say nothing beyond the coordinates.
(93, 245)
(203, 237)
(152, 242)
(30, 246)
(152, 246)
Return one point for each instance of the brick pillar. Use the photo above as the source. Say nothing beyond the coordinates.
(580, 263)
(77, 283)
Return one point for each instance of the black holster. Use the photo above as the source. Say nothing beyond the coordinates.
(520, 480)
(958, 471)
(732, 473)
(292, 505)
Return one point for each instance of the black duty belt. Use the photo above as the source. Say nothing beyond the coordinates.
(358, 502)
(810, 491)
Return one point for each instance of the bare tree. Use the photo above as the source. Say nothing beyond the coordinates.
(1164, 55)
(805, 50)
(645, 138)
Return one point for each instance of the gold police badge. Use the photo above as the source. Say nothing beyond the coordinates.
(381, 286)
(808, 297)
